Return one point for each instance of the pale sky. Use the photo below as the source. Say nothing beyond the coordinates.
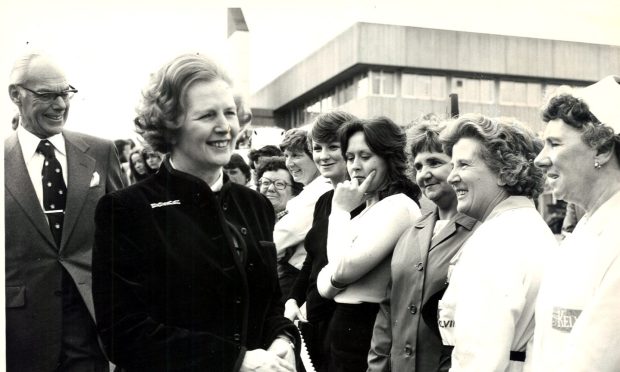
(109, 48)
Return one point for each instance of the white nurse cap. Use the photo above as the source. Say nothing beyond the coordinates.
(603, 99)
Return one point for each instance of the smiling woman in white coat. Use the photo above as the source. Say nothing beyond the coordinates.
(486, 316)
(577, 314)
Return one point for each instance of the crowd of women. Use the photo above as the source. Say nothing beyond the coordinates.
(198, 268)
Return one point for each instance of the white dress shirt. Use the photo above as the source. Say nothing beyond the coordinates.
(34, 161)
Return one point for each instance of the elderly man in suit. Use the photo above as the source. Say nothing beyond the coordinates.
(53, 180)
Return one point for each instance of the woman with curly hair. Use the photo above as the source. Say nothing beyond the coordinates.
(184, 267)
(405, 336)
(359, 249)
(577, 326)
(486, 316)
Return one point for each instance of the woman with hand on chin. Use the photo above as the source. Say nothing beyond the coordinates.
(184, 267)
(359, 249)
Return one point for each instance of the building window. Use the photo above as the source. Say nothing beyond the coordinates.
(382, 83)
(327, 104)
(474, 90)
(534, 94)
(362, 86)
(349, 91)
(519, 93)
(423, 86)
(487, 91)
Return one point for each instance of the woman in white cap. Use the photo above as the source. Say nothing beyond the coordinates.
(578, 308)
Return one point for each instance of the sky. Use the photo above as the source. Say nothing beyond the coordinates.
(109, 48)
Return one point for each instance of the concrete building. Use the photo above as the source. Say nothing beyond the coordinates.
(406, 72)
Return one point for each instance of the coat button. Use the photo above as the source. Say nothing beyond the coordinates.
(58, 293)
(413, 309)
(238, 300)
(244, 231)
(237, 337)
(225, 206)
(408, 351)
(419, 266)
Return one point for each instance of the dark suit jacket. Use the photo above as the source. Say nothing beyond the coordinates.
(402, 340)
(172, 291)
(34, 264)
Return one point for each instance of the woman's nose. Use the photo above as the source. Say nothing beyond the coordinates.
(542, 160)
(289, 161)
(425, 172)
(324, 154)
(223, 126)
(272, 187)
(453, 177)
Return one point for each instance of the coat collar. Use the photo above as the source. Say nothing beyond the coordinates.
(512, 202)
(426, 223)
(184, 184)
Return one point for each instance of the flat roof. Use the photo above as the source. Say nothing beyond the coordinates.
(416, 48)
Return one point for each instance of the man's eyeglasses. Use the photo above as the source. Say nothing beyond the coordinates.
(66, 94)
(278, 184)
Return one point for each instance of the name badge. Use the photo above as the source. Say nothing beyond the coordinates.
(564, 319)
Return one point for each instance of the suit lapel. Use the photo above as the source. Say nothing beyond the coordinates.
(80, 171)
(444, 234)
(425, 235)
(450, 229)
(17, 182)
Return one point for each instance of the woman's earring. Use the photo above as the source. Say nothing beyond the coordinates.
(597, 165)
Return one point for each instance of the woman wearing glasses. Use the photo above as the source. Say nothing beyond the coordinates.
(184, 267)
(276, 183)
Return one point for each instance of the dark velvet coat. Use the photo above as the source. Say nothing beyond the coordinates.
(185, 278)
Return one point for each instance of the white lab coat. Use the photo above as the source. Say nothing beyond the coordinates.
(578, 308)
(488, 308)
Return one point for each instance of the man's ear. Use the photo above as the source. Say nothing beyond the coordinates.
(14, 94)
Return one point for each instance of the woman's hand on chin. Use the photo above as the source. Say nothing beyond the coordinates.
(349, 194)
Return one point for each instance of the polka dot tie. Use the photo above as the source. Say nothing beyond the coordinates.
(54, 189)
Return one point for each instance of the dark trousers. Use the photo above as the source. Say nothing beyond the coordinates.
(287, 274)
(350, 332)
(80, 350)
(317, 342)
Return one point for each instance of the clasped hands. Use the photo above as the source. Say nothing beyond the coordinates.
(279, 357)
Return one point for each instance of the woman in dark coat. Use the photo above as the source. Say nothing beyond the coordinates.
(184, 269)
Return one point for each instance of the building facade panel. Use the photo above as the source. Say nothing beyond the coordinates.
(407, 72)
